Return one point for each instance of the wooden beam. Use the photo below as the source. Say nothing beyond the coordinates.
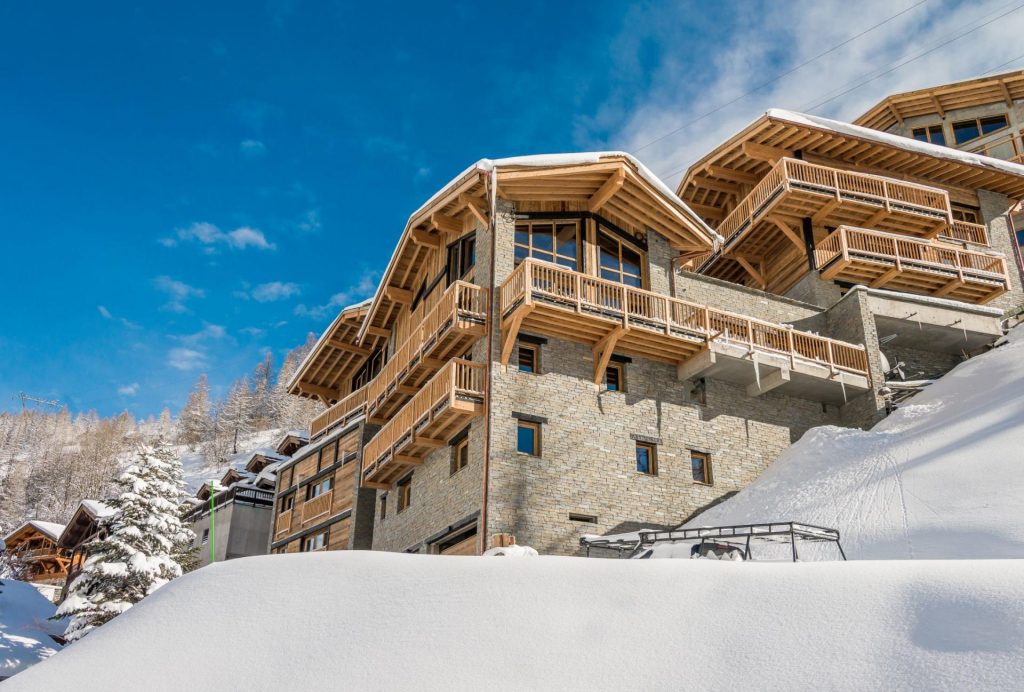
(476, 207)
(745, 263)
(603, 350)
(443, 222)
(398, 295)
(793, 236)
(732, 174)
(378, 331)
(351, 348)
(375, 486)
(761, 152)
(322, 392)
(829, 207)
(429, 442)
(1006, 94)
(708, 211)
(607, 191)
(425, 238)
(938, 105)
(692, 368)
(768, 382)
(406, 460)
(949, 288)
(718, 186)
(512, 331)
(885, 278)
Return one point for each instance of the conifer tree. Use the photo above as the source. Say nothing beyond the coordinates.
(194, 422)
(145, 539)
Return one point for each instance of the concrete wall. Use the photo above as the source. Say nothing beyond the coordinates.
(240, 530)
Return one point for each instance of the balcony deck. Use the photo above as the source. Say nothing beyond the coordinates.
(449, 329)
(342, 413)
(445, 405)
(609, 316)
(888, 260)
(766, 225)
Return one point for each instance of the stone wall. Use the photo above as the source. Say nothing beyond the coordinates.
(994, 214)
(850, 320)
(747, 301)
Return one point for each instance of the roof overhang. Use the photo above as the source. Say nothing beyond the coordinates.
(896, 108)
(323, 371)
(718, 179)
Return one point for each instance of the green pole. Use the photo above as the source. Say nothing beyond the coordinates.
(213, 533)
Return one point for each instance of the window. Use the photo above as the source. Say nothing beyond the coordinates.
(528, 438)
(618, 261)
(529, 358)
(315, 542)
(551, 241)
(700, 466)
(461, 258)
(206, 536)
(317, 489)
(646, 458)
(404, 493)
(460, 455)
(368, 370)
(966, 130)
(383, 506)
(584, 518)
(286, 503)
(931, 134)
(614, 378)
(968, 214)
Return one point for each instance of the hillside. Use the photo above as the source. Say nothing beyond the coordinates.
(24, 627)
(940, 478)
(197, 470)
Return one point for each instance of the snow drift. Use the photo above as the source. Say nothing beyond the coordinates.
(943, 477)
(24, 627)
(363, 620)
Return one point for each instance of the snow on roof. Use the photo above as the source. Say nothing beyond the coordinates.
(97, 508)
(49, 528)
(562, 623)
(898, 141)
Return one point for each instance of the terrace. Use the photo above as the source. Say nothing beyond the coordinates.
(888, 260)
(701, 341)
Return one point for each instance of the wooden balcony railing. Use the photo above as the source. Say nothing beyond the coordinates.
(348, 409)
(791, 174)
(318, 506)
(966, 232)
(283, 523)
(666, 328)
(37, 554)
(458, 319)
(888, 259)
(437, 412)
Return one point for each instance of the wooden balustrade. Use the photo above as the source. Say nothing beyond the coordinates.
(674, 319)
(967, 232)
(283, 523)
(790, 174)
(349, 408)
(437, 411)
(879, 259)
(319, 505)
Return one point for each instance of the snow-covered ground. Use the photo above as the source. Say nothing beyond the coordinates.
(391, 621)
(25, 627)
(197, 471)
(943, 477)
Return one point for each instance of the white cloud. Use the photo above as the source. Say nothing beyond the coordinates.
(767, 40)
(274, 290)
(207, 333)
(186, 359)
(363, 288)
(128, 389)
(252, 148)
(210, 236)
(310, 221)
(106, 313)
(177, 293)
(255, 332)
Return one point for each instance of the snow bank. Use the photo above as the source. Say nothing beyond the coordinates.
(943, 477)
(24, 627)
(362, 620)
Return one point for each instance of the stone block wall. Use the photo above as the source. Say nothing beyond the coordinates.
(994, 215)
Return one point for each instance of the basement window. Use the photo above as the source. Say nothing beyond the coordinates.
(584, 518)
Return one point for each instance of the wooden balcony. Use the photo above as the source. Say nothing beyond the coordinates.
(318, 506)
(42, 554)
(458, 320)
(283, 523)
(442, 408)
(889, 260)
(348, 409)
(763, 237)
(609, 316)
(965, 232)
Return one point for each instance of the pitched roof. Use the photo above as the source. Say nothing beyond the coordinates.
(48, 528)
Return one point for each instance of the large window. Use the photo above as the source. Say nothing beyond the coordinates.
(551, 241)
(368, 370)
(964, 213)
(404, 488)
(931, 134)
(619, 261)
(966, 130)
(528, 438)
(461, 257)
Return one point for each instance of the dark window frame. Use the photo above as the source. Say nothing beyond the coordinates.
(978, 124)
(622, 243)
(460, 447)
(930, 133)
(404, 490)
(533, 349)
(620, 376)
(460, 258)
(530, 248)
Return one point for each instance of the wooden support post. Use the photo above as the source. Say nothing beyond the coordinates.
(603, 350)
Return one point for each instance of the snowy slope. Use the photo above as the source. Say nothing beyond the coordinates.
(361, 620)
(24, 627)
(943, 477)
(197, 471)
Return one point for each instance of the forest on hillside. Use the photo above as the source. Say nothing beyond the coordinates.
(51, 460)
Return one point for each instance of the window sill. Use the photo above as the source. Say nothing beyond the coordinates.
(643, 473)
(709, 485)
(527, 455)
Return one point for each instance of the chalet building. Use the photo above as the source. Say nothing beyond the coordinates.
(84, 529)
(983, 116)
(233, 516)
(34, 545)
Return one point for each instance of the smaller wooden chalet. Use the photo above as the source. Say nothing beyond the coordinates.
(34, 545)
(84, 528)
(292, 441)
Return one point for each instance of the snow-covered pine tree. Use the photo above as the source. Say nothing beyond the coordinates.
(263, 405)
(234, 414)
(145, 537)
(194, 421)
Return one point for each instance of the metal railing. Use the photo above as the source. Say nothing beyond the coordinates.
(912, 252)
(534, 281)
(789, 173)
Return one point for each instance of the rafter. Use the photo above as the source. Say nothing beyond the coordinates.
(607, 190)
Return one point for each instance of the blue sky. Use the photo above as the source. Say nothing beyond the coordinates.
(186, 186)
